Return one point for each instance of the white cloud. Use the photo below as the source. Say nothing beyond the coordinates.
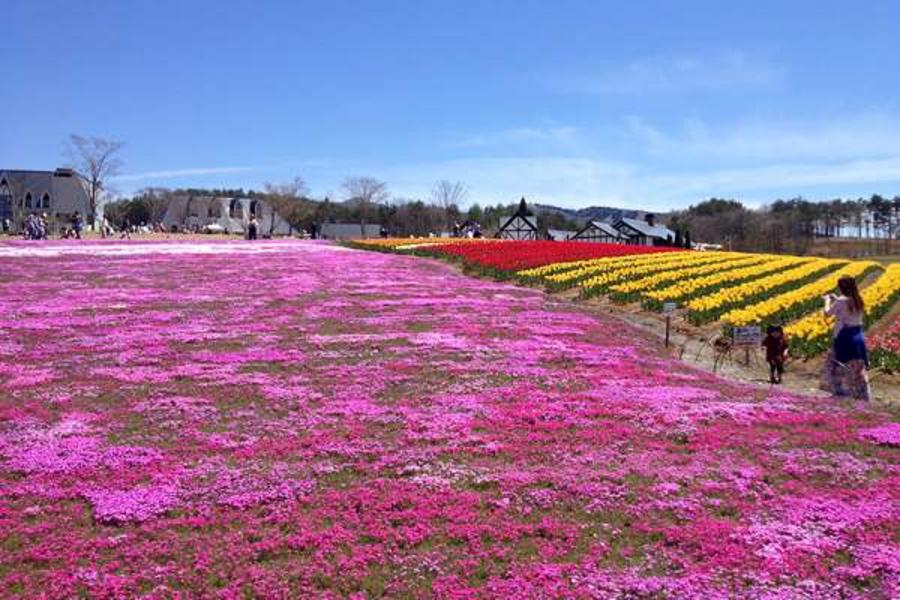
(751, 160)
(578, 182)
(517, 135)
(191, 172)
(837, 138)
(714, 71)
(491, 180)
(795, 176)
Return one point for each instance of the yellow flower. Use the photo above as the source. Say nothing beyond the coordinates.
(790, 303)
(731, 296)
(812, 333)
(687, 288)
(687, 273)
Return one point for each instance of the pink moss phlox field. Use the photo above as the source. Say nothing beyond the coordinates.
(887, 434)
(294, 419)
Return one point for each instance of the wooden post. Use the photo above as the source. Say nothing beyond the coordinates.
(668, 327)
(747, 356)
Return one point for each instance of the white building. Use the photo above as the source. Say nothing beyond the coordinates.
(522, 225)
(599, 231)
(58, 193)
(194, 213)
(644, 233)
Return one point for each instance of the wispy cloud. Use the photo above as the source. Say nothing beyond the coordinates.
(190, 172)
(798, 177)
(714, 71)
(751, 159)
(517, 135)
(870, 135)
(581, 181)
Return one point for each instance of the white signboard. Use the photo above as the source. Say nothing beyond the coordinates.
(669, 307)
(747, 336)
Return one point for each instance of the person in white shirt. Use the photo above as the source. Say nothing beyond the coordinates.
(847, 363)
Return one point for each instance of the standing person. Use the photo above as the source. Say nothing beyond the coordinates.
(847, 363)
(252, 228)
(28, 226)
(776, 347)
(77, 224)
(44, 226)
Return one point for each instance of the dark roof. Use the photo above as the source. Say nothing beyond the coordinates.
(348, 231)
(653, 231)
(604, 227)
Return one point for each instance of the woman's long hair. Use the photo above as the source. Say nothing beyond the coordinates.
(849, 289)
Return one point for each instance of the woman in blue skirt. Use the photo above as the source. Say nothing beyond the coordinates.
(847, 363)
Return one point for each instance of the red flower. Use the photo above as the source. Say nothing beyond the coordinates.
(514, 255)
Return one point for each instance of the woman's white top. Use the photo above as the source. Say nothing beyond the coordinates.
(844, 316)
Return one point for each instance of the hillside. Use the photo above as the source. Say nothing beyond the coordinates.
(591, 213)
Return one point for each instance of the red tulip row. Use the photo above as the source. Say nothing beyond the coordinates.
(514, 255)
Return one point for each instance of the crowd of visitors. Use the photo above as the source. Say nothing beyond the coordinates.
(468, 229)
(39, 226)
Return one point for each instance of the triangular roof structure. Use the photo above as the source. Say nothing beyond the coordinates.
(522, 225)
(601, 227)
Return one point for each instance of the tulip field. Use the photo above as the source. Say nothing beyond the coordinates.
(730, 288)
(502, 257)
(297, 419)
(886, 346)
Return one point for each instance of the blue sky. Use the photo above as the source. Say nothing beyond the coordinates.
(649, 105)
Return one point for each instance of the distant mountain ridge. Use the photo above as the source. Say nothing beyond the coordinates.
(591, 213)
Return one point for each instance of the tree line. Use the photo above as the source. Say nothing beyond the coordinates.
(365, 200)
(790, 226)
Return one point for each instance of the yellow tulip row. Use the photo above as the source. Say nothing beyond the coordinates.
(541, 272)
(687, 288)
(596, 281)
(710, 307)
(411, 241)
(595, 267)
(812, 334)
(630, 288)
(797, 301)
(584, 266)
(646, 265)
(560, 272)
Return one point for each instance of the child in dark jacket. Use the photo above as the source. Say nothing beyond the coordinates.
(776, 347)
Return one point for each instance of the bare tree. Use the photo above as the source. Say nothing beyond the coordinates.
(366, 192)
(295, 188)
(449, 195)
(156, 200)
(95, 160)
(288, 201)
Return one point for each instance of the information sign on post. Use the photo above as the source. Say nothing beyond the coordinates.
(747, 337)
(669, 307)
